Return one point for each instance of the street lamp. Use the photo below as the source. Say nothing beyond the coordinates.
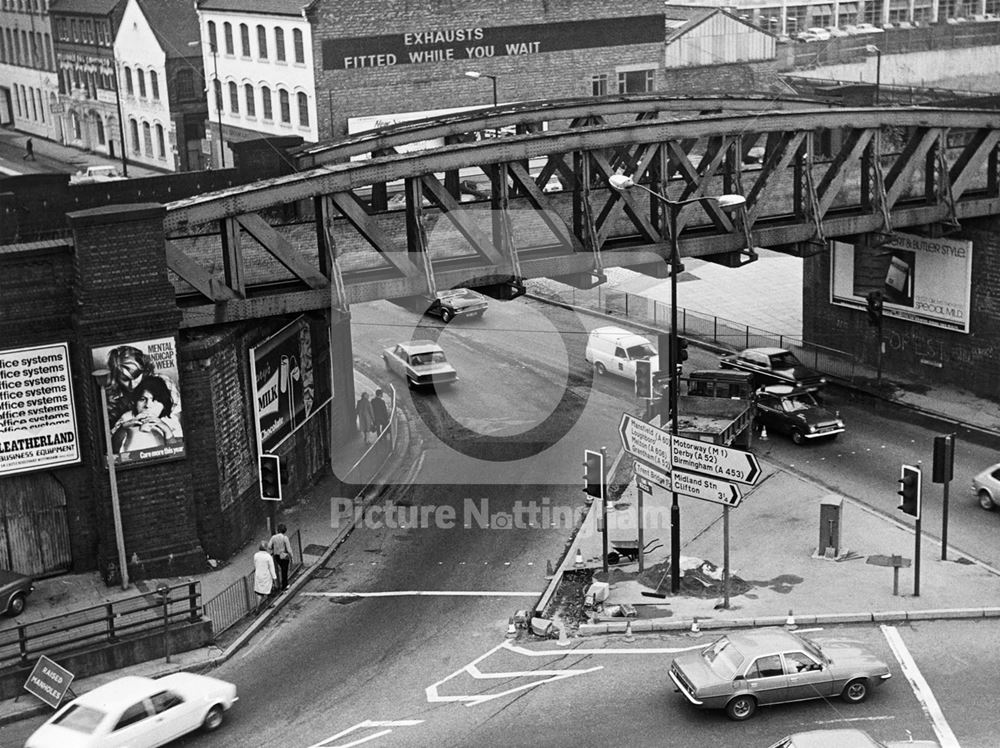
(873, 50)
(622, 183)
(217, 95)
(103, 377)
(476, 76)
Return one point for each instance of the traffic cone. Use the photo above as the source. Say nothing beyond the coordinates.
(628, 632)
(563, 637)
(790, 621)
(511, 628)
(763, 433)
(578, 561)
(695, 630)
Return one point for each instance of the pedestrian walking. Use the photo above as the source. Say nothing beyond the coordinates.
(29, 151)
(366, 418)
(263, 575)
(380, 411)
(280, 548)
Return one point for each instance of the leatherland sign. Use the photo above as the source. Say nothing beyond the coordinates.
(714, 459)
(48, 681)
(645, 442)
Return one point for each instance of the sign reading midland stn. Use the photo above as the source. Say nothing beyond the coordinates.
(704, 487)
(645, 441)
(714, 459)
(49, 681)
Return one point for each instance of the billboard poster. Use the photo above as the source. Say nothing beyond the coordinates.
(38, 427)
(144, 400)
(284, 383)
(923, 280)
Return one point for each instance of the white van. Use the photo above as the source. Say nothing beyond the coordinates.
(615, 351)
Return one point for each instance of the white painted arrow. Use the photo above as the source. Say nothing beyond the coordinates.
(367, 724)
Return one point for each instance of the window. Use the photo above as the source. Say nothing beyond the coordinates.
(213, 42)
(234, 98)
(165, 700)
(161, 151)
(300, 50)
(218, 94)
(100, 130)
(766, 667)
(141, 75)
(128, 81)
(135, 713)
(635, 81)
(134, 131)
(262, 42)
(47, 43)
(245, 39)
(154, 84)
(3, 50)
(227, 33)
(147, 139)
(74, 31)
(279, 45)
(599, 85)
(248, 94)
(265, 101)
(303, 102)
(799, 662)
(286, 109)
(75, 121)
(184, 83)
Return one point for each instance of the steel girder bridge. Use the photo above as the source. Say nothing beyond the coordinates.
(518, 192)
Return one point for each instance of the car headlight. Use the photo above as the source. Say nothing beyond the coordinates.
(811, 428)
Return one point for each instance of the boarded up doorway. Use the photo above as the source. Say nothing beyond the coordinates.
(34, 533)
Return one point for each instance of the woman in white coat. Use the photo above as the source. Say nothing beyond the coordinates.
(263, 575)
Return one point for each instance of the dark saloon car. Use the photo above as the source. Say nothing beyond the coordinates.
(14, 591)
(742, 671)
(458, 302)
(795, 412)
(773, 366)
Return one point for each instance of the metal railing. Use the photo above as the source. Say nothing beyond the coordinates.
(99, 624)
(718, 331)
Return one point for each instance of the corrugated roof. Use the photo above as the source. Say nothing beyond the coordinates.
(175, 23)
(86, 7)
(274, 7)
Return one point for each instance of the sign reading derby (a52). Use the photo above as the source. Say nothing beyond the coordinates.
(37, 416)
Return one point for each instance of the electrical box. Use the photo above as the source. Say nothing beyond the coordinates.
(831, 508)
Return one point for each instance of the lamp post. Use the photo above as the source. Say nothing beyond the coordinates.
(873, 50)
(476, 76)
(102, 377)
(622, 183)
(217, 95)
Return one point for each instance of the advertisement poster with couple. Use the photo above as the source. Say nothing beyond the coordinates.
(144, 401)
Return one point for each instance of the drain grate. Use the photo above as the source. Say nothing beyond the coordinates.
(314, 549)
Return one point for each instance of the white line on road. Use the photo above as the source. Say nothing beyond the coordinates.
(920, 688)
(325, 743)
(429, 593)
(564, 652)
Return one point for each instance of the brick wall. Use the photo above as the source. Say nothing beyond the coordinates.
(721, 79)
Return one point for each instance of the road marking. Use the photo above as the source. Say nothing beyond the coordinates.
(563, 652)
(472, 670)
(425, 593)
(325, 743)
(841, 720)
(920, 688)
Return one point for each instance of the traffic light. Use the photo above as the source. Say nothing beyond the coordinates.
(680, 354)
(644, 378)
(593, 479)
(270, 477)
(944, 458)
(874, 299)
(909, 490)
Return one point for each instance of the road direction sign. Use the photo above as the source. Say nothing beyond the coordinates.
(645, 472)
(706, 488)
(645, 441)
(712, 459)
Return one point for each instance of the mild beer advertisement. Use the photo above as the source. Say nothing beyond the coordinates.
(284, 383)
(143, 399)
(37, 417)
(922, 280)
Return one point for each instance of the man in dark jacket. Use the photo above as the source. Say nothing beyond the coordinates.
(380, 412)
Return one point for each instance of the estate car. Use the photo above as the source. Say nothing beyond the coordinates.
(773, 366)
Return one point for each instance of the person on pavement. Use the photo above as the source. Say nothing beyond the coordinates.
(280, 548)
(366, 418)
(380, 412)
(29, 151)
(263, 575)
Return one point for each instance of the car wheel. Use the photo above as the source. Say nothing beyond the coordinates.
(797, 437)
(447, 315)
(15, 606)
(213, 720)
(741, 708)
(599, 369)
(856, 691)
(985, 501)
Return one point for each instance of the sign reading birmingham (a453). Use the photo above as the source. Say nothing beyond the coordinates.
(37, 416)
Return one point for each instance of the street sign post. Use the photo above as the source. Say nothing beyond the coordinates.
(652, 475)
(49, 681)
(698, 486)
(645, 441)
(714, 459)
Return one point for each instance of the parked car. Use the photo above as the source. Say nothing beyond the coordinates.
(838, 33)
(741, 671)
(845, 738)
(14, 591)
(867, 28)
(986, 487)
(420, 362)
(796, 412)
(458, 302)
(137, 712)
(613, 350)
(819, 32)
(773, 366)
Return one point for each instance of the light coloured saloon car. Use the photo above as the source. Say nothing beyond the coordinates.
(137, 712)
(420, 362)
(742, 671)
(986, 487)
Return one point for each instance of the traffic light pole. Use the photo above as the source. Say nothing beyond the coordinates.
(604, 510)
(916, 560)
(675, 510)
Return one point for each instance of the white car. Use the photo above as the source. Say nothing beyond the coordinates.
(819, 32)
(420, 362)
(986, 487)
(137, 712)
(867, 28)
(840, 33)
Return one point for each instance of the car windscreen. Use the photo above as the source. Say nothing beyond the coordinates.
(723, 657)
(784, 360)
(80, 718)
(643, 350)
(799, 403)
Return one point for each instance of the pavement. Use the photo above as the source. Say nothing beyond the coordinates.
(49, 153)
